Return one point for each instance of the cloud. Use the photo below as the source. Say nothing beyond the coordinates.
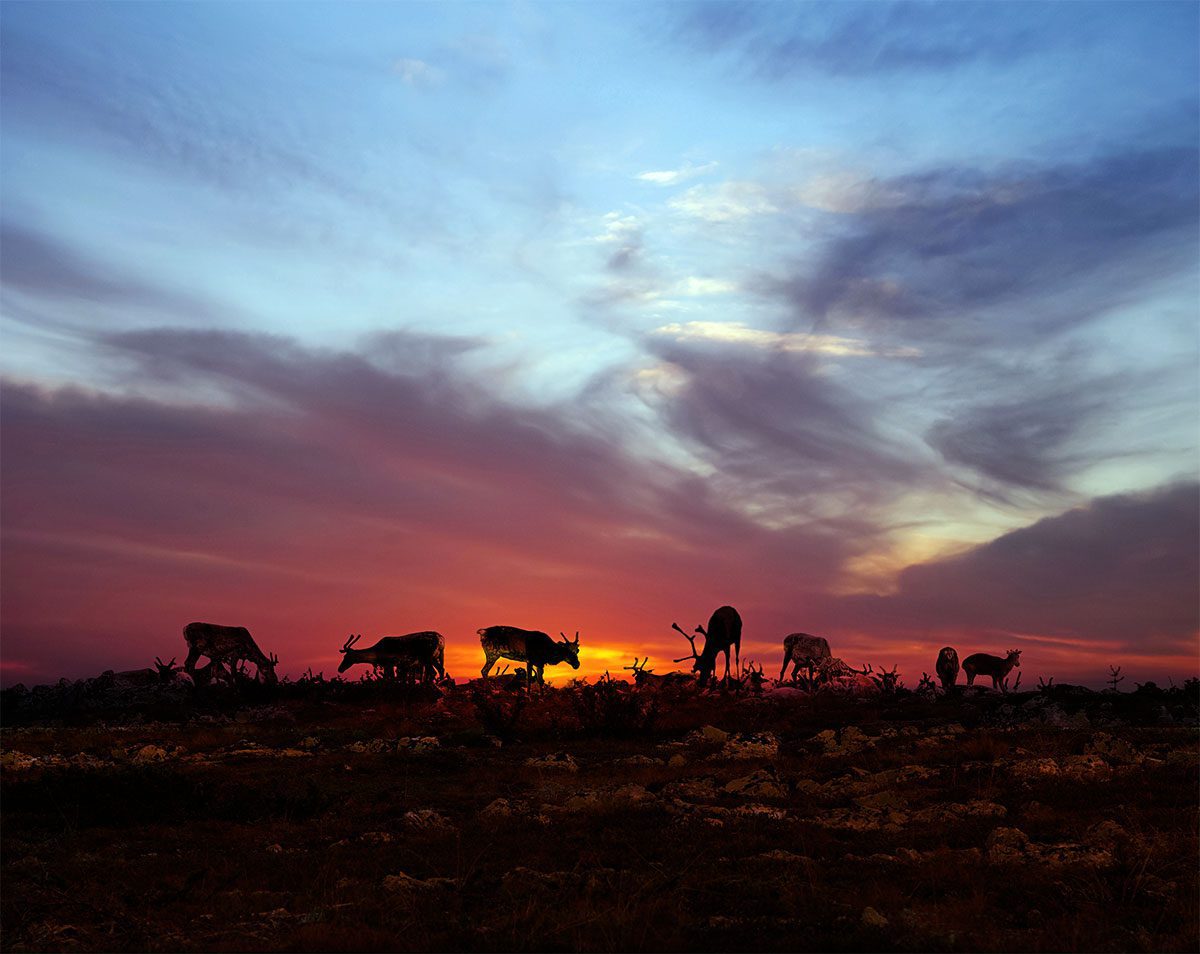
(726, 202)
(418, 73)
(669, 177)
(1118, 575)
(782, 436)
(333, 489)
(738, 333)
(774, 43)
(35, 264)
(954, 242)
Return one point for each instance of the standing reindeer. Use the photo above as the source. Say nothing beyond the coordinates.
(981, 664)
(529, 646)
(424, 651)
(947, 667)
(225, 646)
(803, 651)
(724, 632)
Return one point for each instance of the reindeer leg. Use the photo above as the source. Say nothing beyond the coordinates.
(787, 657)
(488, 662)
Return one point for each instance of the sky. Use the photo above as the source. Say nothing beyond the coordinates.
(876, 321)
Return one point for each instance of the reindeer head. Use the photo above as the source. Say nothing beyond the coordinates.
(267, 670)
(700, 663)
(1014, 657)
(166, 671)
(347, 658)
(640, 672)
(570, 649)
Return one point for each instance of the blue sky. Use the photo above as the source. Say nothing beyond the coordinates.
(912, 275)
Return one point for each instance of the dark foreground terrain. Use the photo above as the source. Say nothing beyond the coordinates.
(355, 817)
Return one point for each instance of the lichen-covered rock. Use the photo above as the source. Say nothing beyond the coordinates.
(555, 761)
(708, 733)
(873, 919)
(150, 753)
(760, 745)
(426, 819)
(760, 784)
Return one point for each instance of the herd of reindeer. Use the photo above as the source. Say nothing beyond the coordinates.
(420, 657)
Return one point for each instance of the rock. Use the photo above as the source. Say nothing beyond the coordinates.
(1117, 751)
(762, 745)
(827, 739)
(406, 883)
(503, 808)
(150, 753)
(873, 919)
(419, 745)
(692, 788)
(760, 811)
(426, 819)
(676, 761)
(914, 773)
(1007, 846)
(1031, 770)
(557, 761)
(1086, 768)
(808, 786)
(292, 754)
(275, 849)
(376, 838)
(881, 801)
(1012, 846)
(955, 812)
(639, 760)
(708, 733)
(632, 794)
(309, 743)
(760, 784)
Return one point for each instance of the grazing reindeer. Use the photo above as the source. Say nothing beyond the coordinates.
(161, 674)
(756, 678)
(981, 664)
(529, 646)
(424, 651)
(888, 681)
(724, 632)
(643, 677)
(947, 667)
(803, 651)
(225, 645)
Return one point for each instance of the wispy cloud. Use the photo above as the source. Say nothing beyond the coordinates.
(669, 177)
(418, 73)
(738, 333)
(726, 202)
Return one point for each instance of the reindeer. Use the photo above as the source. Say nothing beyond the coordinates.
(985, 665)
(724, 632)
(755, 678)
(423, 652)
(225, 646)
(888, 681)
(645, 678)
(529, 646)
(160, 674)
(802, 650)
(947, 667)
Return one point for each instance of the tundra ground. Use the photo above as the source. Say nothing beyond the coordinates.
(355, 819)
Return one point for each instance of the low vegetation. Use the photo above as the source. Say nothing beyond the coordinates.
(329, 815)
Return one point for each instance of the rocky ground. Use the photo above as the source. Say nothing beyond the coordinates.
(603, 819)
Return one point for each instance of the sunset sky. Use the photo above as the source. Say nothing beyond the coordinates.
(877, 321)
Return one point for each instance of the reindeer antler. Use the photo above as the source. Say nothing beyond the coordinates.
(350, 642)
(691, 639)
